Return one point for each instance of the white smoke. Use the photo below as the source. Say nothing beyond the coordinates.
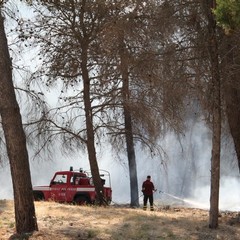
(168, 180)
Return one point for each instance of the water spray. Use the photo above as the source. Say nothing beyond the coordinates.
(194, 203)
(170, 195)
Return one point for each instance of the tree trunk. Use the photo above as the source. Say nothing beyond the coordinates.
(90, 130)
(232, 98)
(232, 89)
(216, 113)
(131, 159)
(128, 129)
(16, 143)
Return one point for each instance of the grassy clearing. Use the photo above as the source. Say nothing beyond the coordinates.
(64, 222)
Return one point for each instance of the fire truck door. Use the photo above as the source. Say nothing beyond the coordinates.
(58, 188)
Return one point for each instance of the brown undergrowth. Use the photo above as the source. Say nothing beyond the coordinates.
(63, 221)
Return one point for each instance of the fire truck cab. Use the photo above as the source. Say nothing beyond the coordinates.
(73, 187)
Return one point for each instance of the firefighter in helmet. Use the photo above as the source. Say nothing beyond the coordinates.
(148, 189)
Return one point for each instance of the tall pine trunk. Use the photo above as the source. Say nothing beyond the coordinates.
(89, 128)
(216, 115)
(231, 60)
(128, 127)
(16, 143)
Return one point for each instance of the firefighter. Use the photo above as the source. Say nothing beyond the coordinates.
(148, 189)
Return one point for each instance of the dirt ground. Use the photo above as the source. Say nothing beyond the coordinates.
(62, 221)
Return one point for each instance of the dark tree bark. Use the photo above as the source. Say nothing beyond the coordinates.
(231, 61)
(16, 143)
(128, 128)
(89, 127)
(216, 115)
(232, 98)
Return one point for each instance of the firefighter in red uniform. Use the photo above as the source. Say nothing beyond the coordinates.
(148, 189)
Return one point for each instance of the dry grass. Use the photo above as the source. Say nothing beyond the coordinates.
(62, 221)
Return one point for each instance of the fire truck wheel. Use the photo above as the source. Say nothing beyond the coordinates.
(38, 196)
(81, 200)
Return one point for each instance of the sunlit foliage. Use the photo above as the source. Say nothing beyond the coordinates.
(228, 14)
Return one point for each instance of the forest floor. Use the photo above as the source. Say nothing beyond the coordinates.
(115, 222)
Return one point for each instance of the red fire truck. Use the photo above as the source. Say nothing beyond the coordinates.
(73, 187)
